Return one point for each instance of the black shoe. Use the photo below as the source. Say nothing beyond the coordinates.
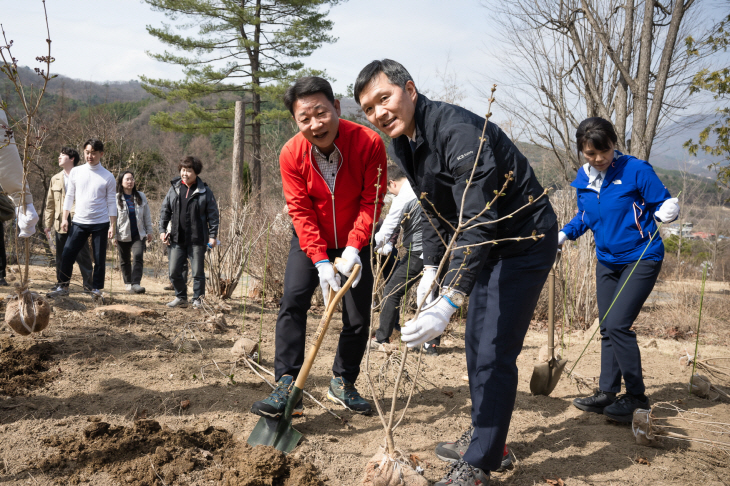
(3, 282)
(623, 409)
(596, 403)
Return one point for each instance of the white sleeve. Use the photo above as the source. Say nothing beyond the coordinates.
(11, 167)
(111, 196)
(392, 220)
(68, 203)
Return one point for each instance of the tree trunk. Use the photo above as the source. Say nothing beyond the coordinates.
(239, 130)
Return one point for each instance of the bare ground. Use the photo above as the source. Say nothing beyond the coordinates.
(107, 400)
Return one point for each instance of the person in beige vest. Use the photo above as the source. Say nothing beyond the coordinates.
(53, 217)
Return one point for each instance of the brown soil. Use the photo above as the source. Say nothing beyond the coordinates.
(115, 399)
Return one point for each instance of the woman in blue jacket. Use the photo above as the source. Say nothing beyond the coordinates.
(620, 199)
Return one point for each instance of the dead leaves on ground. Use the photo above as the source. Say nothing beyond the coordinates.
(555, 482)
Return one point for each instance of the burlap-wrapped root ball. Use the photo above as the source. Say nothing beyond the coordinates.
(383, 470)
(36, 313)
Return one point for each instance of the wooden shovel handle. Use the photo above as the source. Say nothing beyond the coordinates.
(334, 298)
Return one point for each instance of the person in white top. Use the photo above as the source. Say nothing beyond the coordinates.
(93, 189)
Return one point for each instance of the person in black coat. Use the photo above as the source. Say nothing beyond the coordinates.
(436, 144)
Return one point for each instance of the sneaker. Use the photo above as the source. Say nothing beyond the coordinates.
(137, 289)
(168, 287)
(596, 403)
(97, 295)
(462, 474)
(622, 410)
(452, 451)
(344, 393)
(128, 288)
(381, 347)
(430, 349)
(273, 406)
(198, 303)
(178, 302)
(61, 291)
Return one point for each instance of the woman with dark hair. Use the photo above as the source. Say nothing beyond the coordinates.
(134, 225)
(620, 199)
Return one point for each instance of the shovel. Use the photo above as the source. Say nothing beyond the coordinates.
(546, 376)
(278, 432)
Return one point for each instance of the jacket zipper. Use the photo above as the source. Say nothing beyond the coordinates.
(332, 192)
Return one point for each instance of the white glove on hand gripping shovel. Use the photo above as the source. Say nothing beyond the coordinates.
(328, 279)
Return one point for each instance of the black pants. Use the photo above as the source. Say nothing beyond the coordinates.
(620, 355)
(501, 306)
(178, 257)
(3, 256)
(78, 236)
(301, 280)
(83, 259)
(131, 260)
(394, 290)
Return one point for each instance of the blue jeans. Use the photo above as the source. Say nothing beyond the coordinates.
(178, 255)
(500, 308)
(78, 235)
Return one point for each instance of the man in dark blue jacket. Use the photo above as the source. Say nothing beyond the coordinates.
(436, 144)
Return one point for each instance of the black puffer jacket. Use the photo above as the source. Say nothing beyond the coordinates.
(202, 213)
(447, 142)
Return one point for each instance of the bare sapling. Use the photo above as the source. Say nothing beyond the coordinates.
(393, 465)
(27, 312)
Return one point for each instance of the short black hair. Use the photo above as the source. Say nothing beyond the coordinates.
(393, 70)
(597, 131)
(96, 144)
(191, 162)
(395, 173)
(72, 154)
(307, 86)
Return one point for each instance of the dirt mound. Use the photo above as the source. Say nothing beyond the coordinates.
(150, 454)
(24, 365)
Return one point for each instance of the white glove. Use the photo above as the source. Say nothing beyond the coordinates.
(379, 240)
(386, 249)
(327, 279)
(27, 221)
(430, 323)
(429, 275)
(668, 211)
(350, 257)
(562, 238)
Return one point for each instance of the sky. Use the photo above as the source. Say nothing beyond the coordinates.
(106, 40)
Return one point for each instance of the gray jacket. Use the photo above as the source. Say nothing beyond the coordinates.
(142, 215)
(410, 222)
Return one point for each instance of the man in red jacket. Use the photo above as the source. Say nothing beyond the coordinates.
(334, 178)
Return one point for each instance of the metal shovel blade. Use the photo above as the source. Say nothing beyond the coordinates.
(545, 376)
(278, 433)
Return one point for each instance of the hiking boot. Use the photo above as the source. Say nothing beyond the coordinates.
(462, 474)
(507, 462)
(344, 393)
(273, 406)
(623, 409)
(128, 288)
(596, 403)
(452, 451)
(178, 302)
(61, 291)
(137, 289)
(168, 287)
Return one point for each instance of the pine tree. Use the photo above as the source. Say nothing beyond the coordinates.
(241, 49)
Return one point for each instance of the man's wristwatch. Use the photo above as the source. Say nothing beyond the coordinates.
(454, 296)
